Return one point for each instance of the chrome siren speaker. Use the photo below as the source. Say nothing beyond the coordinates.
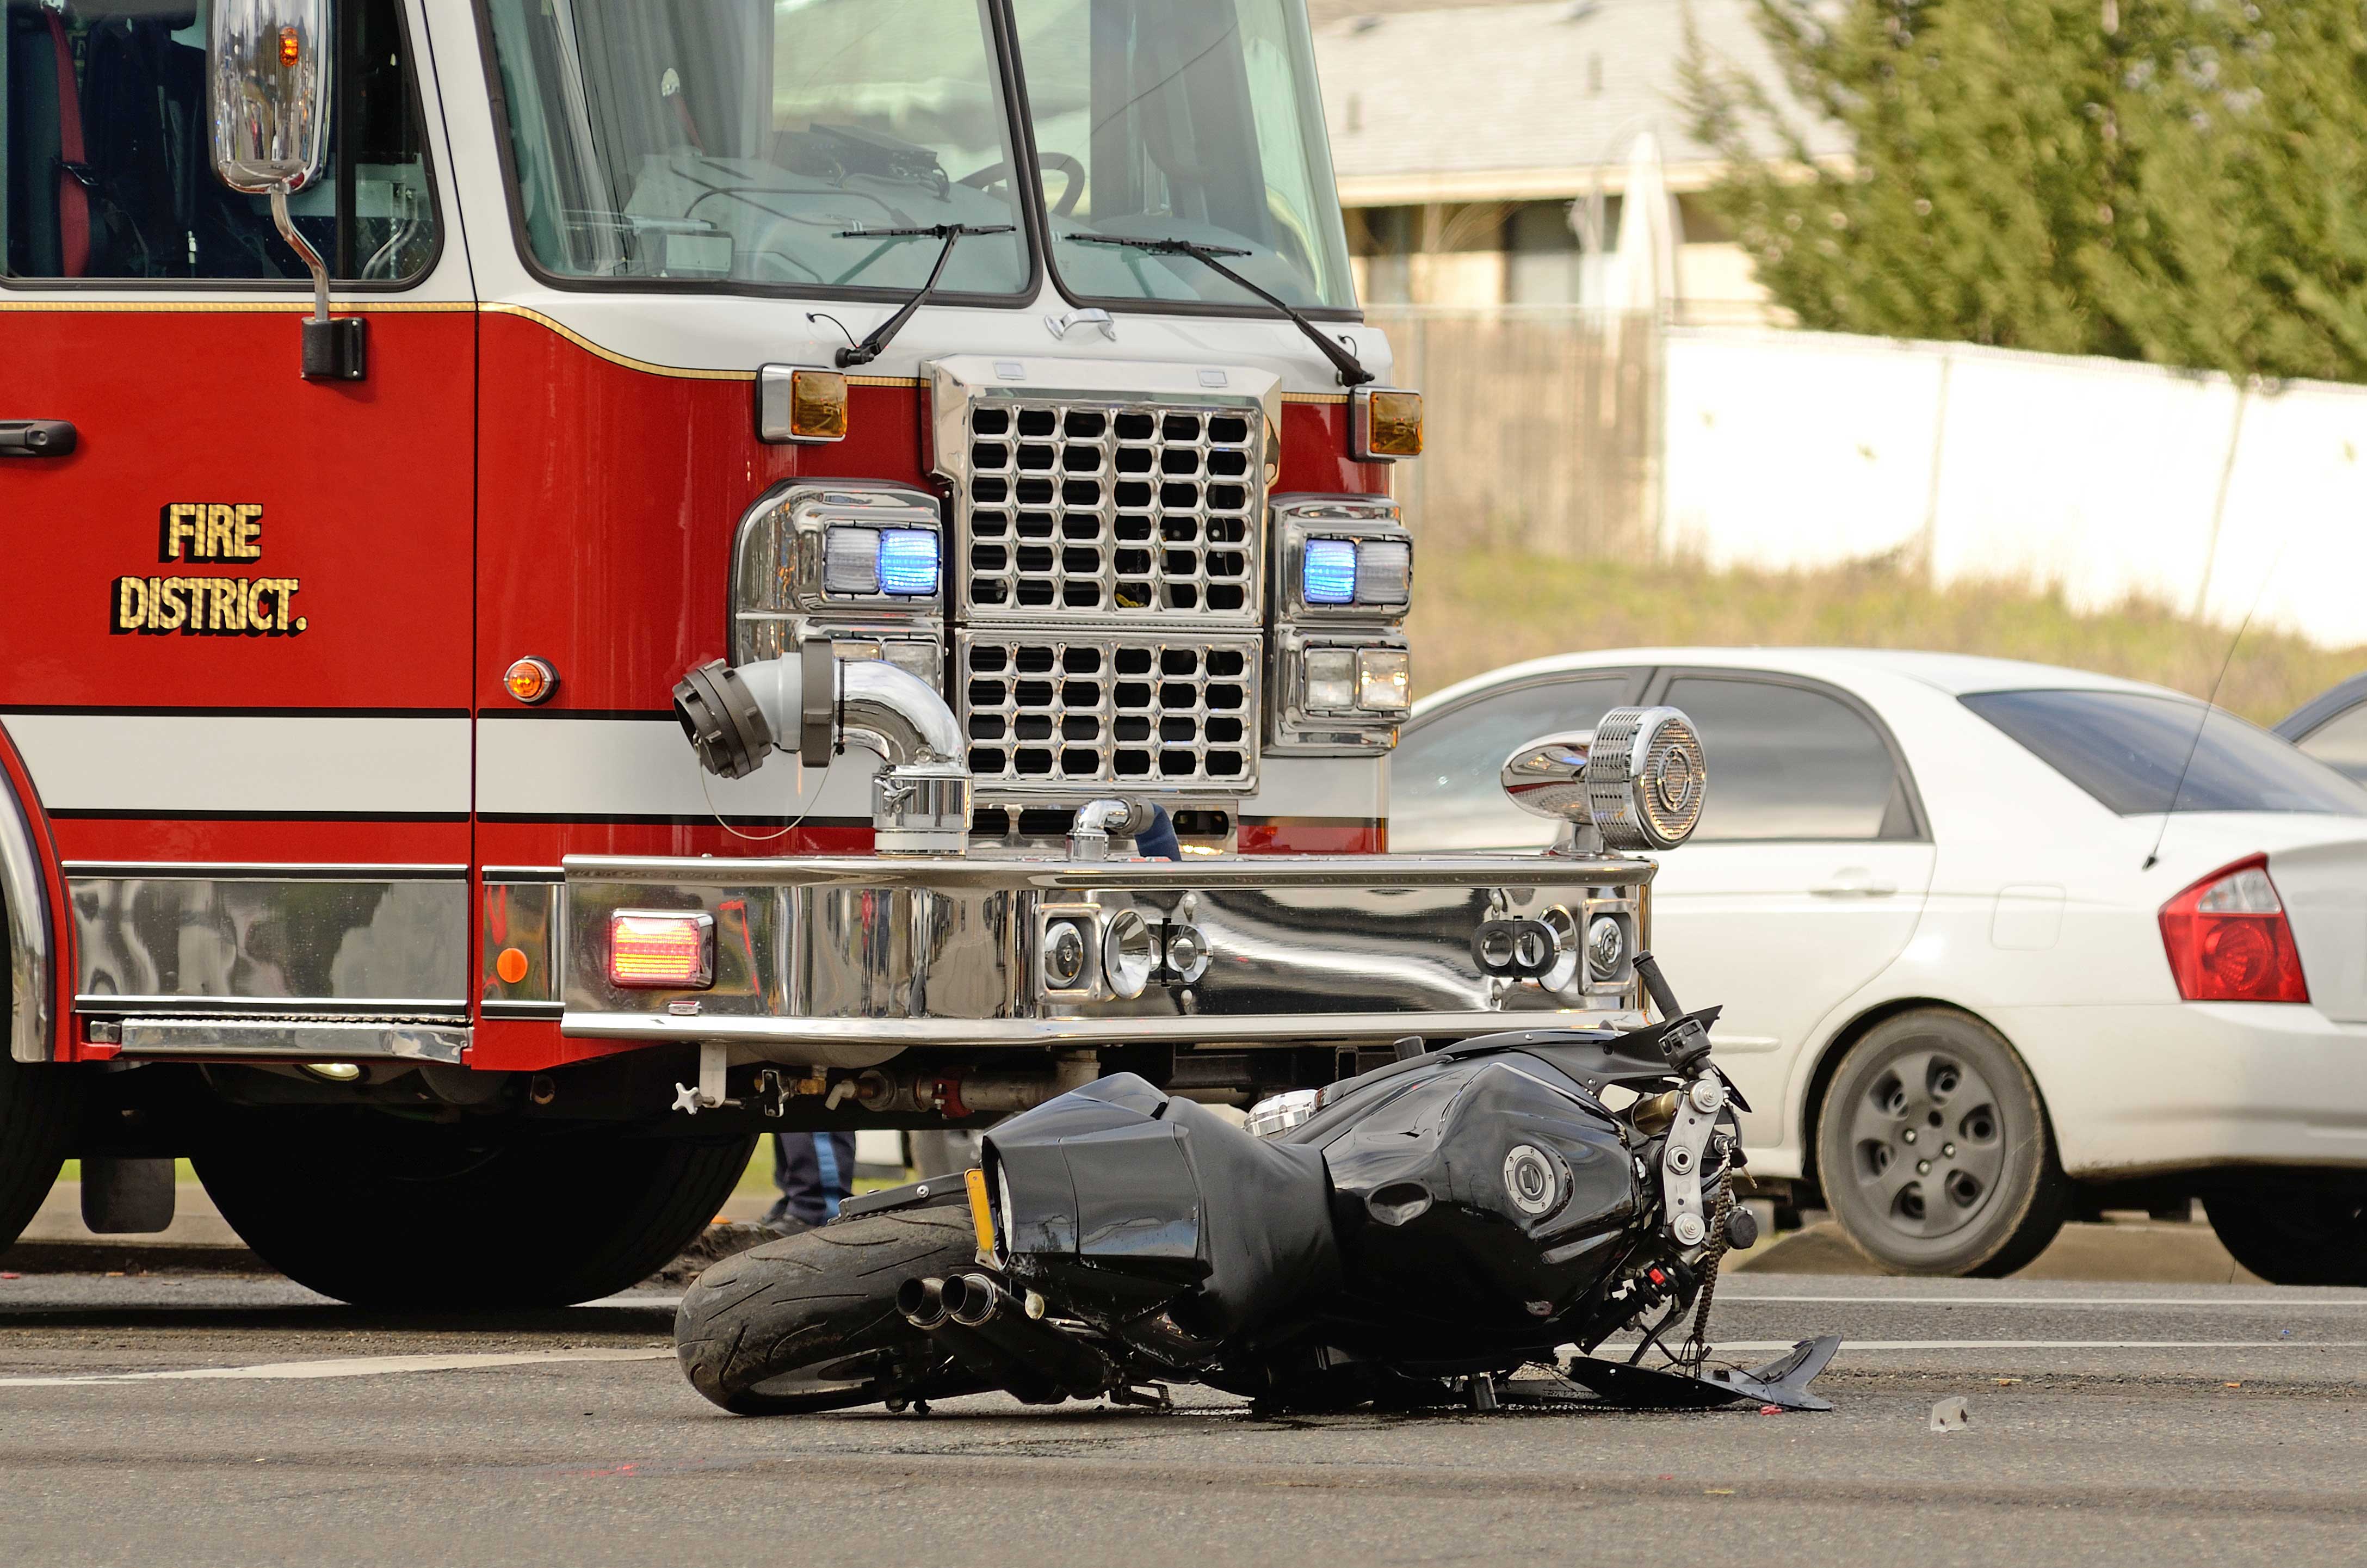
(1646, 778)
(1639, 778)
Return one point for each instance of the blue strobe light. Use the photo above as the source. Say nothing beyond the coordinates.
(1328, 572)
(908, 561)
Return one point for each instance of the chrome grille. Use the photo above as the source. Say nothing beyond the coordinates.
(1054, 712)
(1111, 508)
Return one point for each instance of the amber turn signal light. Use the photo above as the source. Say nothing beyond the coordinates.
(798, 405)
(510, 965)
(531, 680)
(1385, 425)
(290, 48)
(649, 947)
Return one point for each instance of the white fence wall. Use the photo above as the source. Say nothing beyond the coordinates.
(2104, 478)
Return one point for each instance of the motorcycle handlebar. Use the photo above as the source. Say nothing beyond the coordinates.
(1657, 983)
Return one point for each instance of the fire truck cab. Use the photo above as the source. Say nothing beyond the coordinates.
(589, 578)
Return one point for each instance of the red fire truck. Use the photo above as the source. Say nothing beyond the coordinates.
(587, 578)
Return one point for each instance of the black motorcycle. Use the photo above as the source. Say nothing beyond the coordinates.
(1407, 1238)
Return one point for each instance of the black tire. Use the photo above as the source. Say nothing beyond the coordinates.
(809, 1324)
(387, 1212)
(2293, 1229)
(1933, 1149)
(41, 1115)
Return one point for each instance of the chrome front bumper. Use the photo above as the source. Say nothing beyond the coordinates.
(845, 961)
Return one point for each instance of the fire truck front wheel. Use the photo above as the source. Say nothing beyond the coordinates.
(382, 1211)
(41, 1114)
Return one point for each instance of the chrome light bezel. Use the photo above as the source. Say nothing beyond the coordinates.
(1360, 520)
(779, 599)
(1307, 730)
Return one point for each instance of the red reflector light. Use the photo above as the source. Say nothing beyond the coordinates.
(2229, 939)
(661, 949)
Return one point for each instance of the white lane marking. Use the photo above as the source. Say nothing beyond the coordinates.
(1847, 1343)
(343, 1366)
(629, 1298)
(2247, 1303)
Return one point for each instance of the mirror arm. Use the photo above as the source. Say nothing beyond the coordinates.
(335, 348)
(304, 251)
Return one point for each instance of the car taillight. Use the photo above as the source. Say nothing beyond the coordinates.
(2229, 940)
(661, 949)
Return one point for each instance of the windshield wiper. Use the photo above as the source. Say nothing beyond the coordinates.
(867, 350)
(1352, 370)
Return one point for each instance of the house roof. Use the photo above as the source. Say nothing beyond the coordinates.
(1466, 102)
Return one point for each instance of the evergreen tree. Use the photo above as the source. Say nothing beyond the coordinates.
(2174, 180)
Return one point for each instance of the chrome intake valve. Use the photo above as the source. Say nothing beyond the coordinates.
(816, 704)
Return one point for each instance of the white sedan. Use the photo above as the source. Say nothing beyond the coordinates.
(1994, 941)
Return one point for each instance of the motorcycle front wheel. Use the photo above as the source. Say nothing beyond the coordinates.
(809, 1324)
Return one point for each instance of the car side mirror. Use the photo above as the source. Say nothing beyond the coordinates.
(268, 67)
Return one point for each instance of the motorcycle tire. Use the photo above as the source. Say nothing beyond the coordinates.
(1934, 1152)
(809, 1324)
(386, 1212)
(2292, 1230)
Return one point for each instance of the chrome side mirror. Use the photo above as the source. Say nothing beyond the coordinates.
(1637, 781)
(268, 67)
(268, 62)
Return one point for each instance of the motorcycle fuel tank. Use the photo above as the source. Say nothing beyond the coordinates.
(1490, 1194)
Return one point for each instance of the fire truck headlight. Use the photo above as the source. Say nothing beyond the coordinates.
(1384, 571)
(850, 561)
(1331, 679)
(1384, 680)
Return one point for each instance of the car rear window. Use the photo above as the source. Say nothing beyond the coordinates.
(2128, 750)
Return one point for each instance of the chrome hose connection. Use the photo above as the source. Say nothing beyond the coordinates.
(816, 704)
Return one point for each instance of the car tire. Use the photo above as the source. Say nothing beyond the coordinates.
(809, 1324)
(387, 1213)
(41, 1114)
(2293, 1229)
(1933, 1149)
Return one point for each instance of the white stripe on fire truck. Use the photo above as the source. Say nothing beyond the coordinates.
(251, 764)
(579, 769)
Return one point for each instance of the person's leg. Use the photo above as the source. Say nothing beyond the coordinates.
(802, 1192)
(834, 1156)
(777, 1217)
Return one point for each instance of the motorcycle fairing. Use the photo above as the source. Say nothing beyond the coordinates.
(1430, 1222)
(1139, 1197)
(1593, 1060)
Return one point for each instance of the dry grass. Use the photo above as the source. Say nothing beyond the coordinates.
(1479, 609)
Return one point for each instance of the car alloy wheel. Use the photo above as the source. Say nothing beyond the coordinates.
(1933, 1149)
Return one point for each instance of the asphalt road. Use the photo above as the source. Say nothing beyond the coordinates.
(209, 1420)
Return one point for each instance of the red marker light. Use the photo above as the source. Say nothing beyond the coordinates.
(661, 948)
(290, 47)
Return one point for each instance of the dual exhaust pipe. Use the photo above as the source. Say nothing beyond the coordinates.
(989, 1331)
(969, 1299)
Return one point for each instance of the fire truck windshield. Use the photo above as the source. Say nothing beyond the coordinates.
(748, 143)
(1189, 120)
